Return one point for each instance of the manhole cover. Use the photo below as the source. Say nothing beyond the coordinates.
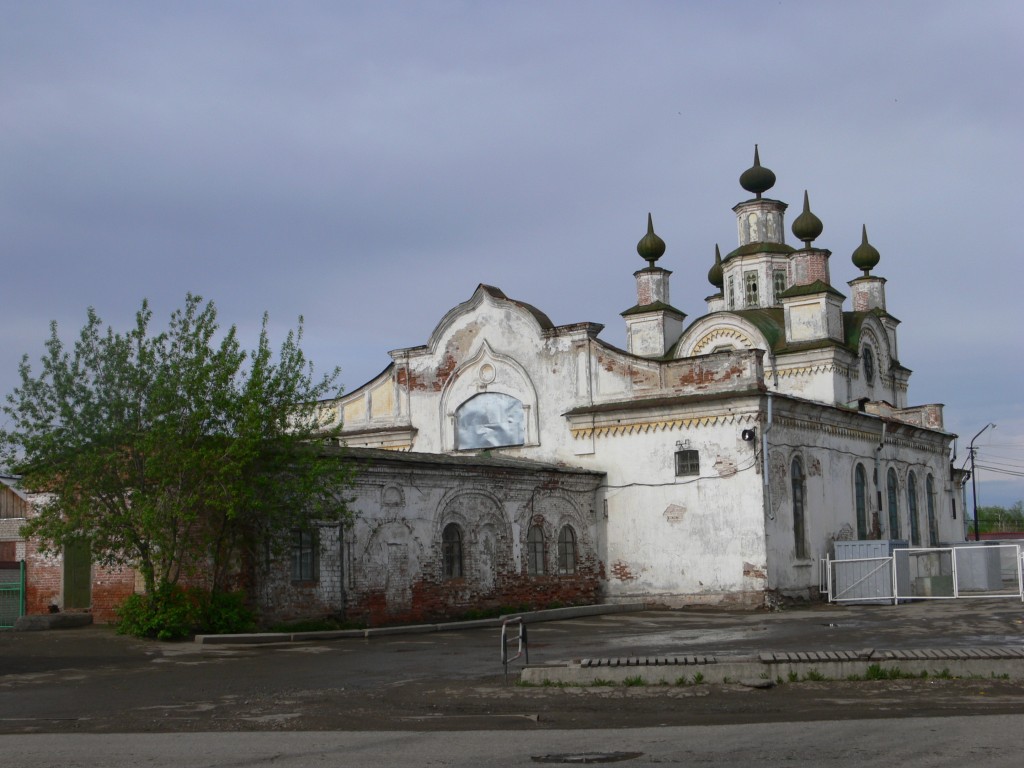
(575, 758)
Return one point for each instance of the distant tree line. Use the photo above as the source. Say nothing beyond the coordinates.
(996, 519)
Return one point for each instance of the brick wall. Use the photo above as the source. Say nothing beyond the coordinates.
(387, 566)
(44, 585)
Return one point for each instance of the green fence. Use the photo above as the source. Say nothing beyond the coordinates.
(12, 593)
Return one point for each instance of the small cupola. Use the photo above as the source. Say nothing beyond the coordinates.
(759, 219)
(813, 309)
(866, 256)
(653, 325)
(809, 265)
(868, 290)
(757, 179)
(715, 275)
(651, 247)
(807, 227)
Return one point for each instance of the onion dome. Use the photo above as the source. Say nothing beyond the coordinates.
(866, 256)
(807, 226)
(715, 273)
(757, 179)
(651, 247)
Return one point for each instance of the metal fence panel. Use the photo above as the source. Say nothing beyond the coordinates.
(12, 594)
(991, 569)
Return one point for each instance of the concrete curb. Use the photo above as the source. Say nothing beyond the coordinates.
(532, 617)
(44, 621)
(1001, 661)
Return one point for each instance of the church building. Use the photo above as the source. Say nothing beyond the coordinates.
(715, 460)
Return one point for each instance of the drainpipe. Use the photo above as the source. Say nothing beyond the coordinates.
(878, 476)
(767, 495)
(764, 461)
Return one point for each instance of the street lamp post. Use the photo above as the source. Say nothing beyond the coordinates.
(974, 481)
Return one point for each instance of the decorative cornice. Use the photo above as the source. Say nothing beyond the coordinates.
(659, 425)
(867, 435)
(721, 333)
(811, 370)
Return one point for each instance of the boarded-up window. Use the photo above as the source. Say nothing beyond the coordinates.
(489, 420)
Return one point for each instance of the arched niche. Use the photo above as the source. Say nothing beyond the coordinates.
(489, 402)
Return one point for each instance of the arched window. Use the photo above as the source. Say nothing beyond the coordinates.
(915, 526)
(868, 358)
(535, 551)
(451, 551)
(894, 504)
(933, 523)
(860, 492)
(566, 550)
(799, 488)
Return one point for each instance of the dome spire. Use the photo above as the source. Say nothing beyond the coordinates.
(757, 179)
(866, 256)
(715, 274)
(651, 247)
(807, 226)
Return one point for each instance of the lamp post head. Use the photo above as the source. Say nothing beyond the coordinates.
(990, 425)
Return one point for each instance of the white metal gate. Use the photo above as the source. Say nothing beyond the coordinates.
(927, 573)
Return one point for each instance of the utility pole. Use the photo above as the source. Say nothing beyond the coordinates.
(974, 481)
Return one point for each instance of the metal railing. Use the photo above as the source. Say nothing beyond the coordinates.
(522, 648)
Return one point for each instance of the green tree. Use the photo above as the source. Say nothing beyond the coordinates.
(177, 452)
(999, 519)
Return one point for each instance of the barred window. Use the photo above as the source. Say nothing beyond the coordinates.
(567, 550)
(891, 488)
(687, 463)
(799, 511)
(305, 563)
(778, 282)
(451, 551)
(750, 282)
(535, 550)
(915, 525)
(860, 484)
(933, 523)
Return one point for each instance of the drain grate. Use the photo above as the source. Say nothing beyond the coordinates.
(649, 661)
(578, 758)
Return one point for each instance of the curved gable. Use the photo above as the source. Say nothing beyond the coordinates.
(720, 331)
(483, 296)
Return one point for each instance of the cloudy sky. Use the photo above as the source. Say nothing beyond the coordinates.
(366, 165)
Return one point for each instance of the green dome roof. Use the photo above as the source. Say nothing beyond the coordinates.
(651, 247)
(807, 226)
(866, 256)
(715, 273)
(757, 179)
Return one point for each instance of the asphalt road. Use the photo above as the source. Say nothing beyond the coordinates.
(93, 681)
(991, 741)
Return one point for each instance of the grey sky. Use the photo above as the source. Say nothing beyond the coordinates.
(366, 165)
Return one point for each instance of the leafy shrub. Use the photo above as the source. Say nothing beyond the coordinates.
(226, 613)
(174, 613)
